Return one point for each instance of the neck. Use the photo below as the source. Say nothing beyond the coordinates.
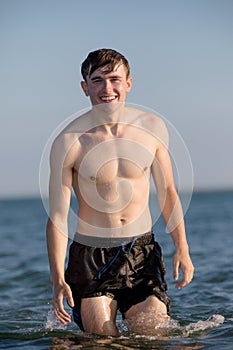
(109, 113)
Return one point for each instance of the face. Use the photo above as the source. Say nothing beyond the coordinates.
(107, 88)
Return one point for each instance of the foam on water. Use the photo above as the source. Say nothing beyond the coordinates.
(167, 329)
(212, 322)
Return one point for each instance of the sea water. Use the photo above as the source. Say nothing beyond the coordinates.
(201, 313)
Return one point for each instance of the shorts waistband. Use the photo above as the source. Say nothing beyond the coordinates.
(106, 242)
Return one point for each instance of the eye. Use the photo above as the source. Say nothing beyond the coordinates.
(116, 80)
(96, 80)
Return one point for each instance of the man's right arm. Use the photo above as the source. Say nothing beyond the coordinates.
(57, 228)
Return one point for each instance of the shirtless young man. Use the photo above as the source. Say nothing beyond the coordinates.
(107, 156)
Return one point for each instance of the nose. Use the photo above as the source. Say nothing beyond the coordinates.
(107, 85)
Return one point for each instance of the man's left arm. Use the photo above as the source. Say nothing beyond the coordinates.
(172, 213)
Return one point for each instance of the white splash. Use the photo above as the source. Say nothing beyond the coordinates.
(213, 321)
(169, 329)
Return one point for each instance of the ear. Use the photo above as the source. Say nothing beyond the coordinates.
(129, 84)
(85, 88)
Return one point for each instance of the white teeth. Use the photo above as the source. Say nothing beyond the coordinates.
(108, 98)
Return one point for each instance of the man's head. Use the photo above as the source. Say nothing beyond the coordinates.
(106, 77)
(107, 58)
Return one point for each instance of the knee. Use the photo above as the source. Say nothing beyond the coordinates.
(148, 323)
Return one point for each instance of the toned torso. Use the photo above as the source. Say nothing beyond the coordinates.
(111, 178)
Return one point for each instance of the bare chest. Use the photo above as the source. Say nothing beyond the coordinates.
(104, 160)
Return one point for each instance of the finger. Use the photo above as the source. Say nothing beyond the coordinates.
(175, 271)
(188, 276)
(60, 313)
(182, 284)
(64, 319)
(70, 298)
(63, 313)
(60, 317)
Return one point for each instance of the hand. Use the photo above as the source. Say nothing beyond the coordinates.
(60, 292)
(183, 261)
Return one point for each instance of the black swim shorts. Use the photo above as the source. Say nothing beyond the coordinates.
(127, 273)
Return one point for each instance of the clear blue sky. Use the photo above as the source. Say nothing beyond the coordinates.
(181, 55)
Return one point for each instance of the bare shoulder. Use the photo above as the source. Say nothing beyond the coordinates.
(66, 145)
(150, 123)
(71, 133)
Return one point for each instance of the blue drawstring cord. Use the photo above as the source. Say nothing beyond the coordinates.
(121, 248)
(131, 246)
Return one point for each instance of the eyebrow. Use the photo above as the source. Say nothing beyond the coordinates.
(111, 77)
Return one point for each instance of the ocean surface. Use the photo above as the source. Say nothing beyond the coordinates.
(202, 313)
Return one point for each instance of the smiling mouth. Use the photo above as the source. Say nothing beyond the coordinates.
(108, 99)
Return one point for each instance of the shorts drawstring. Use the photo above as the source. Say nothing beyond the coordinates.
(120, 249)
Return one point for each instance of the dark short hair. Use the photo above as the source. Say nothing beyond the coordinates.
(103, 57)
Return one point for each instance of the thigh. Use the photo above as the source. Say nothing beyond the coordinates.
(99, 315)
(151, 304)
